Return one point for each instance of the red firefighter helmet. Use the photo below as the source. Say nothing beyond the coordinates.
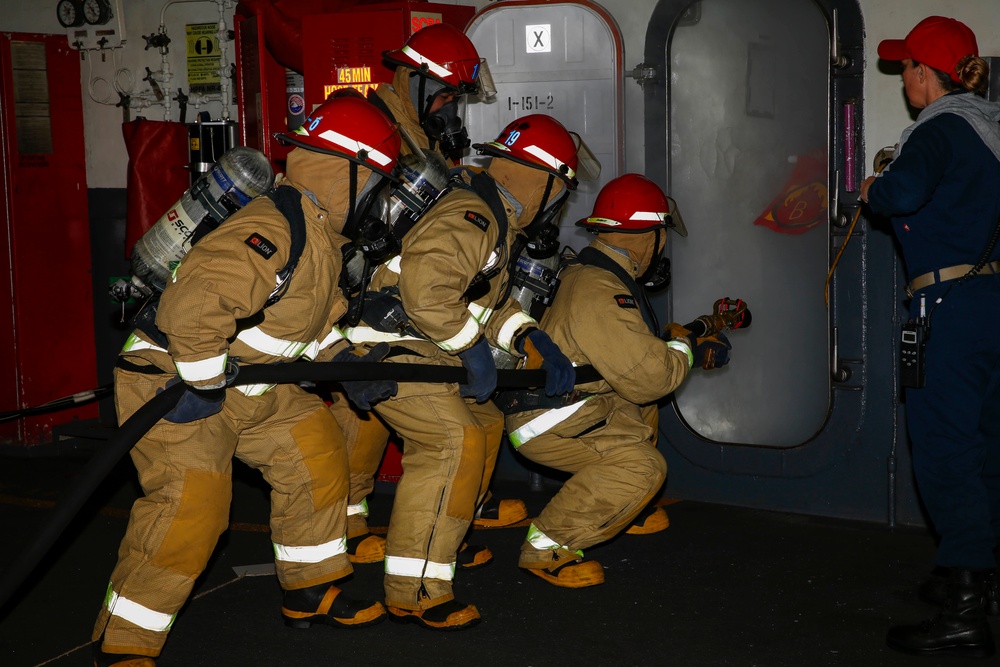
(633, 204)
(542, 142)
(349, 127)
(445, 54)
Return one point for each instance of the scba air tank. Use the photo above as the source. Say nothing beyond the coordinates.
(241, 174)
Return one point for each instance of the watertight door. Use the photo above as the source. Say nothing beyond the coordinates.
(748, 140)
(562, 59)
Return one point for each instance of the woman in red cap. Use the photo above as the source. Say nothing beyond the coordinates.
(941, 194)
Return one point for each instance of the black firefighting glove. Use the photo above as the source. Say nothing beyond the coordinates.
(195, 404)
(542, 352)
(366, 393)
(712, 352)
(481, 369)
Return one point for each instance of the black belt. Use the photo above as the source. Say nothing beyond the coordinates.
(522, 400)
(147, 369)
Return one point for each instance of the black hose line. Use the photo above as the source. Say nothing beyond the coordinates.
(136, 426)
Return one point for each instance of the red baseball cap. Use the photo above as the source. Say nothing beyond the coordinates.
(936, 41)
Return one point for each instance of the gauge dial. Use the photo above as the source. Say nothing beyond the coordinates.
(70, 13)
(96, 12)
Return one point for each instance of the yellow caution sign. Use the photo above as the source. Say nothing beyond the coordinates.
(203, 58)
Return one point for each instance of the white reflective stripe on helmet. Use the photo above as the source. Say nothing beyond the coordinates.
(206, 369)
(468, 334)
(432, 67)
(649, 215)
(545, 421)
(254, 389)
(361, 509)
(549, 159)
(315, 554)
(135, 613)
(278, 347)
(418, 567)
(505, 339)
(540, 540)
(355, 146)
(133, 342)
(604, 221)
(682, 345)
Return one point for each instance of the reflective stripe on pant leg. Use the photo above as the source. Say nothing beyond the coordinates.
(615, 471)
(543, 422)
(173, 529)
(442, 469)
(299, 448)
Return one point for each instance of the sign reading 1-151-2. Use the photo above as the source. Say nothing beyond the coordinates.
(531, 103)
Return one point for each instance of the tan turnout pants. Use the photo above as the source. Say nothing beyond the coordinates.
(185, 471)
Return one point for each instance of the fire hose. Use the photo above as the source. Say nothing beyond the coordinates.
(135, 427)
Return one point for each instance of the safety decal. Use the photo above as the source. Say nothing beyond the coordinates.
(261, 245)
(625, 301)
(478, 220)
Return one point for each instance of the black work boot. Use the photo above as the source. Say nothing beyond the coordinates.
(934, 589)
(328, 605)
(960, 629)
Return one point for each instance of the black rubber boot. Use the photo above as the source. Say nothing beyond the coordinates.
(961, 629)
(328, 605)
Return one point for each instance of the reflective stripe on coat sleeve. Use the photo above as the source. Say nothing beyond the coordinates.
(199, 371)
(464, 338)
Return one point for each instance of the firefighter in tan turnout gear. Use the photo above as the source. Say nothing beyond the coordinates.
(440, 301)
(436, 67)
(227, 301)
(604, 434)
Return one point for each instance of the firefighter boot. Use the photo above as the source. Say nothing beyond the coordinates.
(473, 556)
(561, 567)
(327, 604)
(650, 520)
(366, 548)
(450, 615)
(499, 513)
(961, 628)
(102, 659)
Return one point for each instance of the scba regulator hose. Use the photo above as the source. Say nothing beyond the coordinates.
(136, 426)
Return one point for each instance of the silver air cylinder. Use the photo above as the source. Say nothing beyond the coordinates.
(535, 284)
(241, 174)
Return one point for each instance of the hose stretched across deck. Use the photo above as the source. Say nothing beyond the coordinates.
(136, 426)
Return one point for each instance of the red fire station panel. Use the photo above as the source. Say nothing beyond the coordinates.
(339, 49)
(47, 311)
(345, 50)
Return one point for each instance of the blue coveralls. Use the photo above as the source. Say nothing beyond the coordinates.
(941, 193)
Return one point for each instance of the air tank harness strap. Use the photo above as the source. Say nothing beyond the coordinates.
(484, 186)
(288, 201)
(592, 257)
